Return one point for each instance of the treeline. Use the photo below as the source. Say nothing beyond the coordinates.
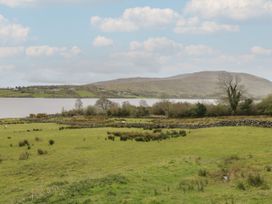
(172, 110)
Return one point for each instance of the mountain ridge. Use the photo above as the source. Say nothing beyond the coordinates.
(190, 85)
(195, 85)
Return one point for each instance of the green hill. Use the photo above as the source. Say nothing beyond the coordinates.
(195, 85)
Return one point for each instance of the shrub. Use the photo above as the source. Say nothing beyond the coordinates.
(146, 136)
(218, 110)
(182, 133)
(231, 159)
(41, 152)
(193, 185)
(246, 107)
(51, 142)
(255, 180)
(141, 112)
(200, 110)
(36, 130)
(241, 186)
(111, 137)
(24, 156)
(180, 110)
(203, 172)
(265, 106)
(157, 131)
(61, 128)
(268, 168)
(90, 110)
(37, 139)
(23, 143)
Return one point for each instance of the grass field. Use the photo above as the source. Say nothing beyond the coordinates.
(217, 165)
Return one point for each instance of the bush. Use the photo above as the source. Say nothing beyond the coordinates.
(268, 168)
(181, 110)
(200, 110)
(41, 152)
(197, 185)
(51, 142)
(23, 143)
(142, 111)
(203, 172)
(246, 107)
(90, 110)
(255, 180)
(265, 106)
(218, 110)
(24, 156)
(146, 136)
(157, 131)
(231, 159)
(241, 186)
(37, 139)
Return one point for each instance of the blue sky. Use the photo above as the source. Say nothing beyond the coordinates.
(83, 41)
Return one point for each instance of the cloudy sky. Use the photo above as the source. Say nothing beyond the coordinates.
(83, 41)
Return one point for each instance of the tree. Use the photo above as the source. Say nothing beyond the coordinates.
(246, 106)
(143, 103)
(78, 104)
(104, 104)
(90, 110)
(232, 89)
(162, 108)
(200, 110)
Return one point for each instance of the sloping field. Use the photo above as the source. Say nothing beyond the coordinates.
(216, 165)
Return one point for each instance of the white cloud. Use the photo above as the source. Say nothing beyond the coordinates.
(157, 54)
(196, 26)
(13, 32)
(6, 67)
(14, 3)
(261, 51)
(159, 44)
(133, 19)
(235, 9)
(165, 46)
(47, 51)
(101, 41)
(199, 50)
(10, 51)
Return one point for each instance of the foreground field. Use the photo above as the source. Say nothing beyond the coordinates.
(216, 165)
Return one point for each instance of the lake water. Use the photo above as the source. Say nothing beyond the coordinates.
(22, 107)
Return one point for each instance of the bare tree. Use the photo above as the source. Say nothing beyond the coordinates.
(143, 103)
(233, 90)
(78, 104)
(104, 104)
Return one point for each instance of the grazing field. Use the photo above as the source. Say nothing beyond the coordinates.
(41, 164)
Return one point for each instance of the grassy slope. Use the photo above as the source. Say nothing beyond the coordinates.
(195, 85)
(59, 92)
(147, 172)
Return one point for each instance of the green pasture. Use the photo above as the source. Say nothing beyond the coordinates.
(217, 165)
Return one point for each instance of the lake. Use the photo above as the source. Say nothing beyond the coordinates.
(22, 107)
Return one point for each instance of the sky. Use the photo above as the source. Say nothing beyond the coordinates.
(83, 41)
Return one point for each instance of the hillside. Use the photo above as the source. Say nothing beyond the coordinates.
(195, 85)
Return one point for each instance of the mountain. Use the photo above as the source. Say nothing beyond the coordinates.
(194, 85)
